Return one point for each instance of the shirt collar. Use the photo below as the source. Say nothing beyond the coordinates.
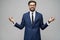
(33, 12)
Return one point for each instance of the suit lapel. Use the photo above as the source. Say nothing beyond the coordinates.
(29, 17)
(36, 16)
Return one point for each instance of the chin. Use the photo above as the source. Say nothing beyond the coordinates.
(32, 10)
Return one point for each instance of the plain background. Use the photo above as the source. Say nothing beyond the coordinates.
(16, 8)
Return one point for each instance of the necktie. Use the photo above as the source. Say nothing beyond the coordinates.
(32, 19)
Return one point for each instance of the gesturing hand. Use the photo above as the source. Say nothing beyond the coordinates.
(11, 19)
(51, 19)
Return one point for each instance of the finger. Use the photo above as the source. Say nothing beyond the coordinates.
(11, 17)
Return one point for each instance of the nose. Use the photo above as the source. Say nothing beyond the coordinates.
(32, 6)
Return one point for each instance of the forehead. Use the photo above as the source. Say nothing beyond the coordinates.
(32, 3)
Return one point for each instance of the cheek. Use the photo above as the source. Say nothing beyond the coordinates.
(29, 6)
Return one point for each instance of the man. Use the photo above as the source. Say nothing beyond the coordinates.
(32, 21)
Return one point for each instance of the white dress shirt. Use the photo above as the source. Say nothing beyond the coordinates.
(34, 13)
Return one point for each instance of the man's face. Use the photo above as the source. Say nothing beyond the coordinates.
(32, 6)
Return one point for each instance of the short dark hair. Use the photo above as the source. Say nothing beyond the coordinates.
(31, 2)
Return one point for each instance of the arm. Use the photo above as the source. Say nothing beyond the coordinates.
(43, 26)
(20, 26)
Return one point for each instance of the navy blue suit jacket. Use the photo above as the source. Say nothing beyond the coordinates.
(32, 32)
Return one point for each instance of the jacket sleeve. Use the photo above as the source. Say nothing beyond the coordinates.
(43, 26)
(20, 26)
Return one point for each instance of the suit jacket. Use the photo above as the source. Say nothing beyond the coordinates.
(32, 31)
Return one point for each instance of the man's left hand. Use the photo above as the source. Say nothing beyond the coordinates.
(51, 19)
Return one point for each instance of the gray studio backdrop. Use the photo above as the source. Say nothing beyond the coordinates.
(16, 8)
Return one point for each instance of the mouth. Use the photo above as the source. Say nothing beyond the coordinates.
(32, 9)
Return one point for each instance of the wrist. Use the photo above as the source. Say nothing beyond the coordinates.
(49, 21)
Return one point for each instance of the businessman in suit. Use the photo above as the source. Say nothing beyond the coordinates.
(33, 22)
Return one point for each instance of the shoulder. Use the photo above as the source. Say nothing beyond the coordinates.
(39, 13)
(26, 13)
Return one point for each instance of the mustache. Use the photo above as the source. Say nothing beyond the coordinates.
(32, 7)
(32, 10)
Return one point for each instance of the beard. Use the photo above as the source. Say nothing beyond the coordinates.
(32, 9)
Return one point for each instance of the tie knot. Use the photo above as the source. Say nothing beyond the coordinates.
(32, 13)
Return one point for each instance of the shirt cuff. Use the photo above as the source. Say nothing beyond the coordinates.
(14, 23)
(48, 23)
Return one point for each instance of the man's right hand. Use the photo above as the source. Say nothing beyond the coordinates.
(11, 19)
